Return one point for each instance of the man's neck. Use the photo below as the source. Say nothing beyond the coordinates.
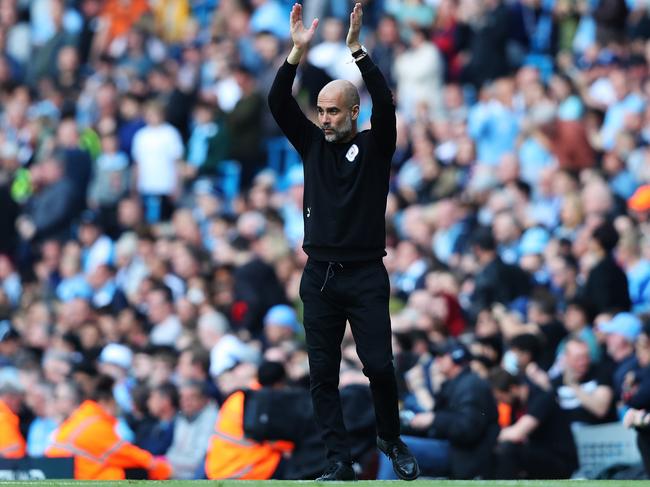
(348, 138)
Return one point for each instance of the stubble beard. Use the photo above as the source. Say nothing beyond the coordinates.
(341, 133)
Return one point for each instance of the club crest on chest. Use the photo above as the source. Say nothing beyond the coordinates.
(352, 153)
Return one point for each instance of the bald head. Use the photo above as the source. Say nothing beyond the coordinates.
(338, 110)
(342, 89)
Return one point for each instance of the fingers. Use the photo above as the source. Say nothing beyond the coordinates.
(314, 24)
(296, 13)
(357, 10)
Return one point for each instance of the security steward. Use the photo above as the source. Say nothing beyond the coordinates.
(231, 455)
(12, 443)
(89, 436)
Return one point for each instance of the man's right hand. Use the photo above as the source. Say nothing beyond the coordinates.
(300, 36)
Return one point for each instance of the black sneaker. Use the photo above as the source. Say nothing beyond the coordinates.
(405, 465)
(338, 471)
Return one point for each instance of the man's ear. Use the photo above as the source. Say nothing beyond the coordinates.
(355, 112)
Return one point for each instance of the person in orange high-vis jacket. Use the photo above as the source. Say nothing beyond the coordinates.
(233, 456)
(89, 436)
(12, 443)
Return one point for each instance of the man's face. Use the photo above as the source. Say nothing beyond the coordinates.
(191, 400)
(156, 403)
(577, 359)
(335, 116)
(159, 308)
(445, 365)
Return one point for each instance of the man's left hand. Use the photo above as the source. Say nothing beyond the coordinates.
(352, 39)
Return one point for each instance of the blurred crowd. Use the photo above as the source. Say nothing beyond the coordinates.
(151, 219)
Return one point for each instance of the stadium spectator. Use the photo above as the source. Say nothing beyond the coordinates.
(538, 443)
(39, 399)
(584, 390)
(192, 429)
(621, 332)
(12, 442)
(88, 435)
(157, 147)
(637, 397)
(156, 437)
(231, 455)
(166, 327)
(280, 325)
(461, 430)
(605, 273)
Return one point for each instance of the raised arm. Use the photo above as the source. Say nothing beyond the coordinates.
(284, 108)
(382, 119)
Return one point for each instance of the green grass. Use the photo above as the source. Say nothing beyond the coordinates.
(368, 483)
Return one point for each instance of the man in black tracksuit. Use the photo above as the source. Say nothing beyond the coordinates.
(346, 185)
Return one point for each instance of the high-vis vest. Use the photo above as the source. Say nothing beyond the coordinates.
(12, 443)
(233, 456)
(89, 436)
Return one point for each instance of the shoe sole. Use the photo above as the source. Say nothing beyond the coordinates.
(404, 477)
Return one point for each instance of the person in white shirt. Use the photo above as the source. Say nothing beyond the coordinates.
(97, 249)
(226, 350)
(157, 147)
(166, 326)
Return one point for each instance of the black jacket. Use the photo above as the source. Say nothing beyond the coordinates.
(466, 415)
(606, 288)
(346, 184)
(498, 282)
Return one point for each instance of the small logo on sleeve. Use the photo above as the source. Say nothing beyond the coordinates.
(352, 152)
(308, 211)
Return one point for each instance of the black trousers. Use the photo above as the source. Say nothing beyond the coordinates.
(334, 293)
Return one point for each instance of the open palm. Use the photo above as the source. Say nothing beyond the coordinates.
(299, 35)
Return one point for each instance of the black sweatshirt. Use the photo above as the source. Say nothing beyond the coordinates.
(346, 184)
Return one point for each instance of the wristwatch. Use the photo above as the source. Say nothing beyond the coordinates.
(359, 53)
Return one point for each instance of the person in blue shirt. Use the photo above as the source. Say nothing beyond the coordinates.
(493, 124)
(156, 437)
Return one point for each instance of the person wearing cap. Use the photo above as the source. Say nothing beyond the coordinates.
(539, 443)
(280, 324)
(461, 431)
(115, 360)
(346, 184)
(226, 349)
(12, 443)
(89, 436)
(620, 334)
